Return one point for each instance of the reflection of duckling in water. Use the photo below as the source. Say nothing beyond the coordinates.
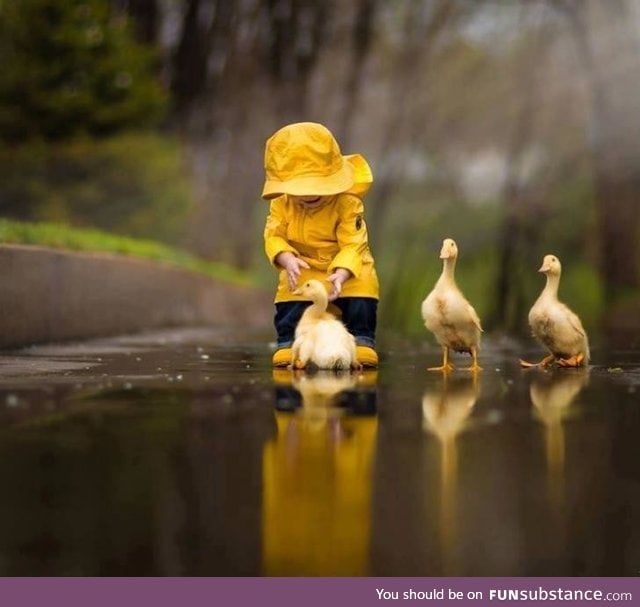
(321, 340)
(449, 316)
(320, 392)
(552, 395)
(555, 325)
(445, 413)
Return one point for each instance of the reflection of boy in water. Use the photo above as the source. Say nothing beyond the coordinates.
(317, 485)
(353, 395)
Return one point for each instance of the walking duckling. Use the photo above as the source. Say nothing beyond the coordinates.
(321, 340)
(555, 325)
(449, 316)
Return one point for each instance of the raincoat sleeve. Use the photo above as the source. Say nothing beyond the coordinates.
(351, 233)
(275, 231)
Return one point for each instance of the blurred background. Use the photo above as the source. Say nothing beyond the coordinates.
(512, 126)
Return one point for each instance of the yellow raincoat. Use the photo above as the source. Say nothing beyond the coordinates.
(333, 235)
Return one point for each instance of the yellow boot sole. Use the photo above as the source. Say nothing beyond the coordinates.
(281, 357)
(367, 356)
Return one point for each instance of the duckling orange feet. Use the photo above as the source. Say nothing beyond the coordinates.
(574, 361)
(545, 362)
(475, 367)
(446, 366)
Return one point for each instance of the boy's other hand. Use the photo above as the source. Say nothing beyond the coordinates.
(292, 265)
(337, 279)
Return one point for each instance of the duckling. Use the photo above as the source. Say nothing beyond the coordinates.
(555, 325)
(320, 338)
(449, 316)
(320, 393)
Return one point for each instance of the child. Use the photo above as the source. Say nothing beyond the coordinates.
(316, 229)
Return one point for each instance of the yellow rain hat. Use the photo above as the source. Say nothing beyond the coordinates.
(304, 159)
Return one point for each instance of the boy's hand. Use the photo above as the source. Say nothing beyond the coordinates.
(292, 266)
(339, 276)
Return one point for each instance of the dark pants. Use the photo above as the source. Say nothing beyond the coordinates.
(359, 314)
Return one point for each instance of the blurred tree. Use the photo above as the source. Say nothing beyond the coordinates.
(72, 67)
(240, 70)
(201, 52)
(422, 26)
(362, 37)
(297, 29)
(524, 206)
(146, 18)
(132, 184)
(608, 46)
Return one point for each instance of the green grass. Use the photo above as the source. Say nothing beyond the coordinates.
(60, 236)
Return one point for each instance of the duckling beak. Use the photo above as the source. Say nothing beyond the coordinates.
(297, 291)
(445, 253)
(545, 267)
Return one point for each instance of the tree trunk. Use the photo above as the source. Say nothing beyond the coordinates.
(400, 132)
(145, 15)
(605, 37)
(361, 43)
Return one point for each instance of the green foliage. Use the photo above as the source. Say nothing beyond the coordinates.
(61, 236)
(130, 184)
(71, 67)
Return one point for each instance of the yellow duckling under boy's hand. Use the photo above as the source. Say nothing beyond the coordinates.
(316, 230)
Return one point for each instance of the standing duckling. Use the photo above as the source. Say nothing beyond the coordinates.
(320, 338)
(555, 325)
(449, 316)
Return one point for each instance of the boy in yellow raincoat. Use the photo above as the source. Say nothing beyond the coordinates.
(316, 229)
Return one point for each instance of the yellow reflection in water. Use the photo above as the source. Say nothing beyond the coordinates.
(445, 411)
(552, 394)
(317, 484)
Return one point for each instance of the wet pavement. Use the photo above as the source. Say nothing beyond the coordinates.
(181, 453)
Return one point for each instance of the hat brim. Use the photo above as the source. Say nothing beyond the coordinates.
(362, 175)
(340, 181)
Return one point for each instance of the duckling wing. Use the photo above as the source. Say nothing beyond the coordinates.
(575, 322)
(475, 319)
(428, 309)
(558, 328)
(450, 317)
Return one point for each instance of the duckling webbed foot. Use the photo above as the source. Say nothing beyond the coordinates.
(544, 363)
(446, 366)
(573, 361)
(298, 364)
(475, 367)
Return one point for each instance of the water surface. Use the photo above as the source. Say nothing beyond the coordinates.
(182, 453)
